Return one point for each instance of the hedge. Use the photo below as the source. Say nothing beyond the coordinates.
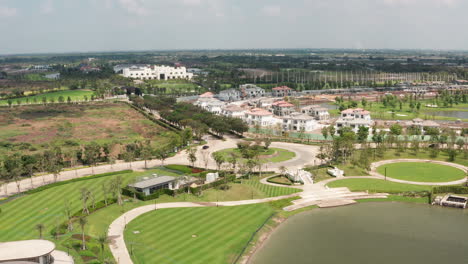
(450, 189)
(55, 184)
(271, 180)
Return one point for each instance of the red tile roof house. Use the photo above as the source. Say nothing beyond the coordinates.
(282, 91)
(282, 108)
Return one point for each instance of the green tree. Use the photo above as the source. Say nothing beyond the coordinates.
(396, 129)
(362, 134)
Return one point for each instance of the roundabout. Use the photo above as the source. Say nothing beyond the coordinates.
(421, 172)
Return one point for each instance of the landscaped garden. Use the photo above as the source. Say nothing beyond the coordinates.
(421, 172)
(266, 155)
(48, 206)
(194, 235)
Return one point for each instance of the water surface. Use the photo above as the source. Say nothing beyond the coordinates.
(384, 233)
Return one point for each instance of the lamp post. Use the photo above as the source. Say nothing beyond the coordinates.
(385, 173)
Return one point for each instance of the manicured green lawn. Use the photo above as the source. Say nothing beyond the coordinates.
(376, 185)
(396, 198)
(421, 172)
(280, 155)
(75, 95)
(194, 235)
(19, 217)
(247, 189)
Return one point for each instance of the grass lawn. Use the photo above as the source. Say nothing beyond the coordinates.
(19, 217)
(194, 235)
(280, 180)
(75, 95)
(270, 155)
(376, 185)
(396, 198)
(421, 172)
(244, 190)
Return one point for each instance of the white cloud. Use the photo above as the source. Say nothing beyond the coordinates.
(272, 10)
(421, 2)
(134, 7)
(8, 11)
(191, 2)
(47, 7)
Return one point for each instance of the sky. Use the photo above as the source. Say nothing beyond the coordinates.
(55, 26)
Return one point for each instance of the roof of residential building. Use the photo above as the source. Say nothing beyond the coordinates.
(282, 104)
(233, 108)
(152, 182)
(259, 112)
(207, 94)
(355, 111)
(298, 116)
(281, 88)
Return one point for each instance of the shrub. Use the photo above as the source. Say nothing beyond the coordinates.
(48, 186)
(450, 189)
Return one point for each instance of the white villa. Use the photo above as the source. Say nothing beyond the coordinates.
(354, 118)
(209, 103)
(259, 116)
(233, 111)
(282, 108)
(320, 113)
(155, 72)
(298, 122)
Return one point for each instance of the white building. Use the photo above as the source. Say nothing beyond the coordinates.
(282, 108)
(230, 95)
(299, 122)
(155, 72)
(233, 111)
(320, 113)
(354, 118)
(251, 91)
(261, 117)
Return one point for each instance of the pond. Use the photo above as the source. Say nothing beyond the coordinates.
(384, 233)
(456, 114)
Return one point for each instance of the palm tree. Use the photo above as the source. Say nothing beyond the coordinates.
(102, 240)
(83, 221)
(40, 228)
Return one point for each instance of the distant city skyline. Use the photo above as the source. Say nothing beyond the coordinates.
(53, 26)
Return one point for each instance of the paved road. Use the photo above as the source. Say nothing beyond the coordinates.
(304, 155)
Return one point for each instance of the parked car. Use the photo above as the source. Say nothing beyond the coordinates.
(205, 147)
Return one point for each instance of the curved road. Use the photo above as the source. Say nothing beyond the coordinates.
(304, 155)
